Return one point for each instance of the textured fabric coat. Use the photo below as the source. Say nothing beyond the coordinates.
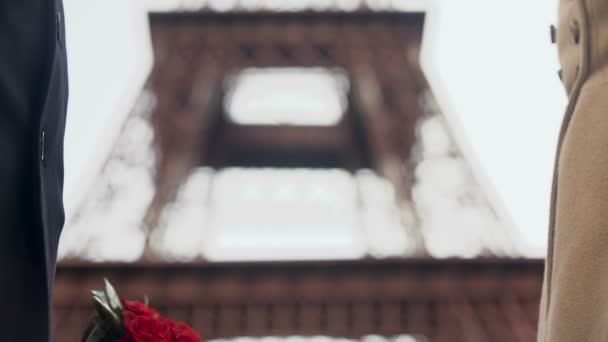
(574, 305)
(33, 102)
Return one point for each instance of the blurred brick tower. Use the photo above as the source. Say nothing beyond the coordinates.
(482, 297)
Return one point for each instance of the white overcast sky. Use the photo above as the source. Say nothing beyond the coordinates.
(489, 62)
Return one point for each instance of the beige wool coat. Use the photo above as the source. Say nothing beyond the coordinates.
(574, 305)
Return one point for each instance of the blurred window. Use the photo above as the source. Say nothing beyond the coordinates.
(270, 214)
(287, 96)
(284, 214)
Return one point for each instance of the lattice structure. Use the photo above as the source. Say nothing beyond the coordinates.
(452, 301)
(196, 52)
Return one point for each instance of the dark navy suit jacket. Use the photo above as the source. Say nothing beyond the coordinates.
(33, 104)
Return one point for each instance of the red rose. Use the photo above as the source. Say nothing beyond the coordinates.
(132, 309)
(183, 333)
(145, 328)
(143, 324)
(139, 309)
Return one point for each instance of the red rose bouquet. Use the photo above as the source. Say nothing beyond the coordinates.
(120, 320)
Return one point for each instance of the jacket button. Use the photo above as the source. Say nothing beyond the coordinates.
(575, 31)
(552, 34)
(42, 146)
(59, 28)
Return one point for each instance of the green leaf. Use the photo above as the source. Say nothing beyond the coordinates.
(100, 296)
(113, 298)
(97, 335)
(107, 324)
(103, 333)
(97, 293)
(106, 314)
